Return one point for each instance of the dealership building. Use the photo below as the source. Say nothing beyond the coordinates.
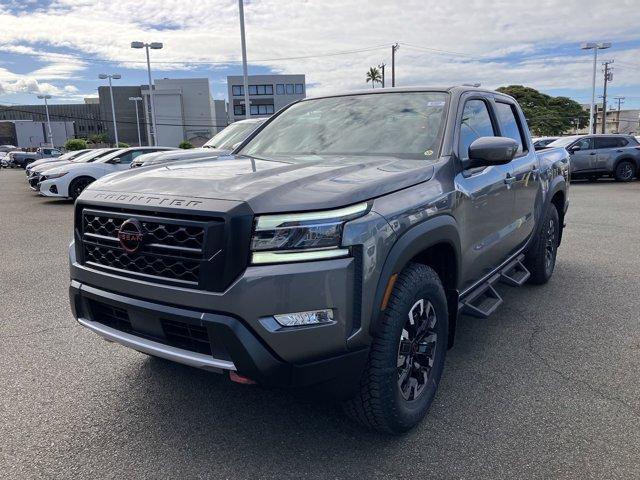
(267, 94)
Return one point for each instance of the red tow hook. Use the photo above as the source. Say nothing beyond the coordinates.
(240, 379)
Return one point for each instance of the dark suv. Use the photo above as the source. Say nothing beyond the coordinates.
(336, 248)
(595, 156)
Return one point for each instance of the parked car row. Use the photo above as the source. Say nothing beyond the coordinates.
(598, 155)
(67, 175)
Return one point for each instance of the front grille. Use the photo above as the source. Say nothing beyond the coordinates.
(185, 248)
(185, 336)
(169, 268)
(173, 250)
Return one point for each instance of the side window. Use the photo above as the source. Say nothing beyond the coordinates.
(476, 123)
(509, 125)
(584, 144)
(622, 142)
(606, 142)
(127, 157)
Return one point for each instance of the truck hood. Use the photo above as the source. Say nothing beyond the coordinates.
(276, 184)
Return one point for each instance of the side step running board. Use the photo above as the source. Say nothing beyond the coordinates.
(515, 274)
(485, 299)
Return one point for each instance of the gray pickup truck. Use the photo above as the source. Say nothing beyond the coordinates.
(336, 248)
(21, 159)
(595, 156)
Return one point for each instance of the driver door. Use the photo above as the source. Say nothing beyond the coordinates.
(486, 211)
(583, 156)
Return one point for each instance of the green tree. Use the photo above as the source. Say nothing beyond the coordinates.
(98, 138)
(185, 145)
(547, 115)
(373, 76)
(75, 144)
(123, 145)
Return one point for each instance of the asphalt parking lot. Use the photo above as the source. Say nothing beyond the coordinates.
(549, 387)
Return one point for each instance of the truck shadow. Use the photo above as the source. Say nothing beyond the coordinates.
(212, 421)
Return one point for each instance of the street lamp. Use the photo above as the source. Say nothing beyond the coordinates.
(137, 99)
(114, 76)
(46, 109)
(595, 46)
(245, 76)
(152, 46)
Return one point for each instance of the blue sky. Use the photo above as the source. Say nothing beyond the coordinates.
(60, 46)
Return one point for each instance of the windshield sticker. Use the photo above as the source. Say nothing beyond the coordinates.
(436, 104)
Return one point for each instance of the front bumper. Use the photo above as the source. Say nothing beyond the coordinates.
(244, 351)
(50, 188)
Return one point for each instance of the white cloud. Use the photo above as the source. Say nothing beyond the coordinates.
(488, 33)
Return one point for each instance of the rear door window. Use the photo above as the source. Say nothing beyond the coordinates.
(509, 124)
(606, 142)
(475, 123)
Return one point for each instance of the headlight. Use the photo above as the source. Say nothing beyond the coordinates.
(54, 175)
(300, 237)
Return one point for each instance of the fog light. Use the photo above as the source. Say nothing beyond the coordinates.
(312, 317)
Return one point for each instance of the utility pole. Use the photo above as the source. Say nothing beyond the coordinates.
(394, 49)
(620, 102)
(381, 67)
(608, 76)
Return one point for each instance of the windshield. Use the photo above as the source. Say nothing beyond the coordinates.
(92, 156)
(234, 133)
(563, 142)
(404, 125)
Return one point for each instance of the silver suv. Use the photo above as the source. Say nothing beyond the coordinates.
(595, 156)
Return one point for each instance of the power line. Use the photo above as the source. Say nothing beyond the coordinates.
(62, 57)
(103, 120)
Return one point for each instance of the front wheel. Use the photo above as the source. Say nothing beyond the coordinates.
(78, 185)
(624, 172)
(406, 358)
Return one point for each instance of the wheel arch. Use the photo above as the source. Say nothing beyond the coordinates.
(75, 179)
(435, 243)
(630, 158)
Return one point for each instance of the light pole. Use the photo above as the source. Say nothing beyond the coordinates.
(114, 76)
(595, 46)
(136, 100)
(152, 46)
(245, 76)
(394, 49)
(46, 110)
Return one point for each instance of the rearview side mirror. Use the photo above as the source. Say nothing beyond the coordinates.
(115, 160)
(487, 151)
(574, 148)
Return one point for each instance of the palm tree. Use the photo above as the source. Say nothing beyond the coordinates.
(373, 76)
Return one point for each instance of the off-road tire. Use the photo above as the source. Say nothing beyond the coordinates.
(379, 403)
(541, 260)
(624, 171)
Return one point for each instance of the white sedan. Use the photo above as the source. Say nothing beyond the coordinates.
(68, 181)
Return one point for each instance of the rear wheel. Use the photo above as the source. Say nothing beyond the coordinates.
(624, 172)
(407, 355)
(541, 260)
(78, 185)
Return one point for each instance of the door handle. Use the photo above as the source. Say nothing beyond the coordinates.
(592, 153)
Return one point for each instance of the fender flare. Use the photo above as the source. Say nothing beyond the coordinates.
(440, 229)
(635, 161)
(557, 184)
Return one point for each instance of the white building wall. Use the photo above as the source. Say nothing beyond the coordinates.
(273, 102)
(183, 110)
